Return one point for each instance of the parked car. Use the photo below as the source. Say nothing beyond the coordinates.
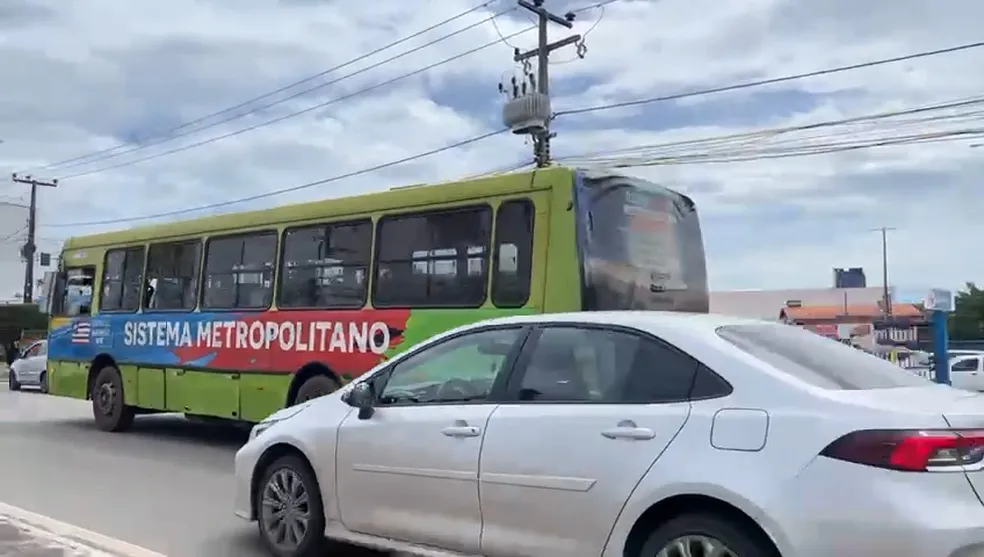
(630, 433)
(30, 369)
(967, 372)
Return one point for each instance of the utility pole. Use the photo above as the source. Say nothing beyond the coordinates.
(886, 297)
(528, 112)
(30, 246)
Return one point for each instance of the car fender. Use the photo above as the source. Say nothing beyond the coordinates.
(314, 432)
(681, 470)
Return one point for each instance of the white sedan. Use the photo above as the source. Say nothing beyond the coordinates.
(30, 369)
(624, 434)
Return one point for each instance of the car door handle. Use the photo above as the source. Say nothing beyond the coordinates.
(627, 429)
(640, 433)
(461, 431)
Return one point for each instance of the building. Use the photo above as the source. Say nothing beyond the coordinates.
(766, 304)
(849, 314)
(852, 277)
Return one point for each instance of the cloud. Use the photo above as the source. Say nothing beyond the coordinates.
(83, 76)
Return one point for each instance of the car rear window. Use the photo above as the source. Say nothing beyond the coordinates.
(817, 360)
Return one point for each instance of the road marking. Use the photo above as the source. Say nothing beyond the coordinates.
(74, 536)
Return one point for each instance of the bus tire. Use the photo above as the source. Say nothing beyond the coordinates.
(108, 408)
(314, 387)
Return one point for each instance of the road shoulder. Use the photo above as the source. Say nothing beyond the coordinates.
(28, 533)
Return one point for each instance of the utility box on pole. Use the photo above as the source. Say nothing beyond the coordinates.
(527, 109)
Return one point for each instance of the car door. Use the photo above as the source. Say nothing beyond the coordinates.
(30, 367)
(965, 373)
(592, 409)
(410, 470)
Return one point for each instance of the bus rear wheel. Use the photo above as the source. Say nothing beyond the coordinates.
(314, 387)
(108, 408)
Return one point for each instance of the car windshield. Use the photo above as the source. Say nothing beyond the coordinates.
(817, 360)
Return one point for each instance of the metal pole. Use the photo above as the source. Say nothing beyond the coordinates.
(940, 341)
(30, 246)
(886, 296)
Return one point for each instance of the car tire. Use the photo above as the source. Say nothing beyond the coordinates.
(108, 407)
(314, 387)
(12, 383)
(736, 537)
(43, 382)
(312, 542)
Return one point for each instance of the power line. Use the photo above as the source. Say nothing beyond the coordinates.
(303, 111)
(772, 81)
(743, 139)
(244, 104)
(293, 114)
(9, 237)
(286, 190)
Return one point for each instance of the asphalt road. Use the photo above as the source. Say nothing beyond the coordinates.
(166, 485)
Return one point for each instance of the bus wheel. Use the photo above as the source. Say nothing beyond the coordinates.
(108, 409)
(315, 386)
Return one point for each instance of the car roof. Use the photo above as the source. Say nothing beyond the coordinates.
(646, 320)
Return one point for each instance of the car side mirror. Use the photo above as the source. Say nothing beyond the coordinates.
(361, 397)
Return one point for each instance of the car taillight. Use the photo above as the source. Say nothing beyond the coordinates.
(910, 450)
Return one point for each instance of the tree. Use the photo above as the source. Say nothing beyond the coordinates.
(967, 320)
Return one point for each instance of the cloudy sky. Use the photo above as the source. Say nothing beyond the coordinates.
(87, 76)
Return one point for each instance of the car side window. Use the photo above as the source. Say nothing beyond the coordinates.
(575, 364)
(462, 369)
(42, 349)
(970, 364)
(33, 350)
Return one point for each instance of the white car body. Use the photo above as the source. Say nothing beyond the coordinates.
(514, 478)
(29, 369)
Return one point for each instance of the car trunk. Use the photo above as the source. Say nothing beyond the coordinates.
(968, 413)
(959, 410)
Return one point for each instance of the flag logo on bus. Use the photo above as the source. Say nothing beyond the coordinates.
(80, 332)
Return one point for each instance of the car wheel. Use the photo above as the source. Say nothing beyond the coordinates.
(108, 409)
(12, 383)
(704, 535)
(314, 387)
(290, 514)
(44, 382)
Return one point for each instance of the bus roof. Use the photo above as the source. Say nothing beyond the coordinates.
(405, 197)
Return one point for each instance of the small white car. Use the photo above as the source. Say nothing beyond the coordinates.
(30, 369)
(624, 434)
(967, 371)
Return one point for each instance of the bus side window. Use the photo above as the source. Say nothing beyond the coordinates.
(72, 293)
(172, 275)
(239, 271)
(513, 254)
(433, 259)
(122, 280)
(325, 266)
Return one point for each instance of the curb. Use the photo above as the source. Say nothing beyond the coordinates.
(74, 536)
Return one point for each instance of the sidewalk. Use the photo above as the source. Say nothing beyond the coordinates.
(24, 534)
(18, 539)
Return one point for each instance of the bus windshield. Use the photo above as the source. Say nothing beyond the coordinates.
(640, 246)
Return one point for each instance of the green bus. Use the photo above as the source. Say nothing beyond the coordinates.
(235, 316)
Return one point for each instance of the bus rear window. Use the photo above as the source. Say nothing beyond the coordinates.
(640, 246)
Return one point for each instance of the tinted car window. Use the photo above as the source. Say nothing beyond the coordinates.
(573, 364)
(817, 360)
